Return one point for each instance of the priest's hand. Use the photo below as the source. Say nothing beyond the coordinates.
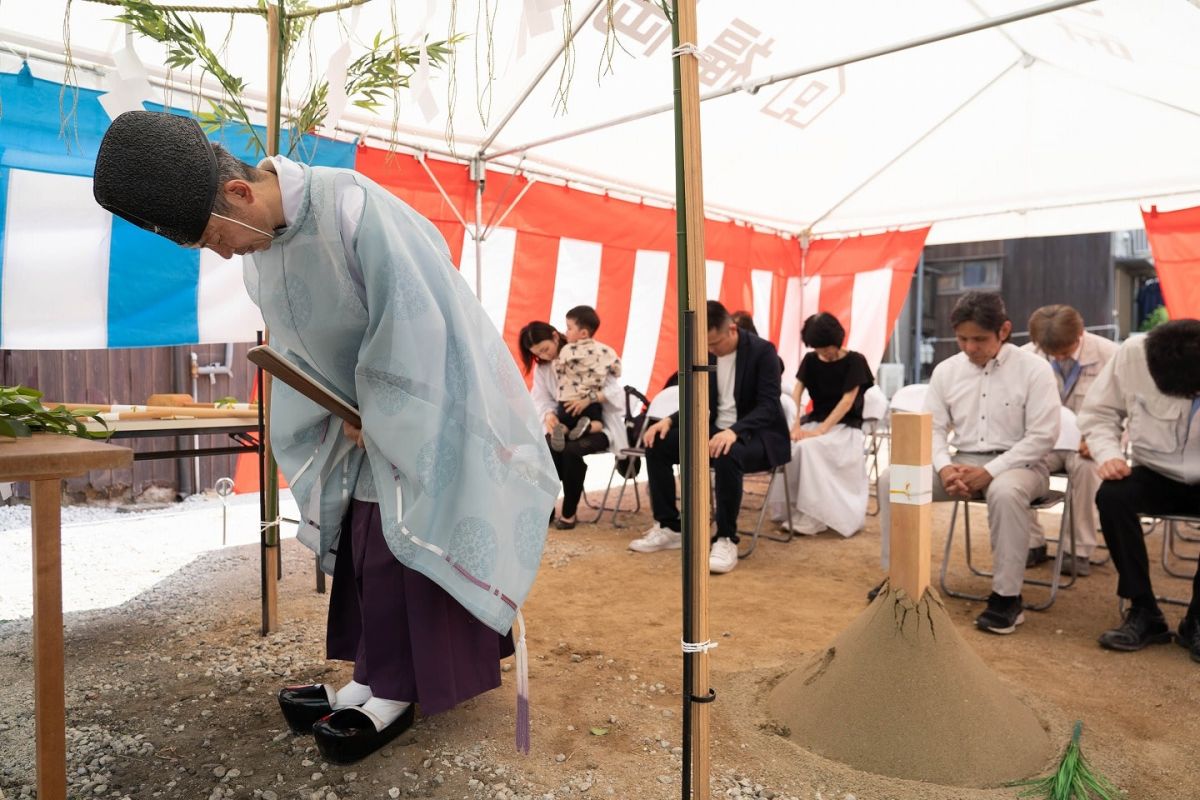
(353, 434)
(549, 421)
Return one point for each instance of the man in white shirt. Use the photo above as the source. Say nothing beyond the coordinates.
(748, 434)
(1076, 357)
(1003, 408)
(1154, 384)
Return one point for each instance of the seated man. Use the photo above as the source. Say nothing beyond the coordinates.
(1002, 405)
(1076, 357)
(749, 434)
(1154, 382)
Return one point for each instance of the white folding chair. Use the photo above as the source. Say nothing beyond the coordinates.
(875, 406)
(1068, 439)
(664, 404)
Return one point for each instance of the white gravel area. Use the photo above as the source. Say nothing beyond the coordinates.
(110, 555)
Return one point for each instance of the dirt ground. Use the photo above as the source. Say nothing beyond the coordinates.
(172, 693)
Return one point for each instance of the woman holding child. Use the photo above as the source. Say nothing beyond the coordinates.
(581, 410)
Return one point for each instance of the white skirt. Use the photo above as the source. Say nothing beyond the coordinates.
(827, 477)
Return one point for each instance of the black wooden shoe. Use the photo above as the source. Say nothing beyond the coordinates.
(304, 705)
(1141, 627)
(1189, 636)
(348, 734)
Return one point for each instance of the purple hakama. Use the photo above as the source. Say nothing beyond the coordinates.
(409, 640)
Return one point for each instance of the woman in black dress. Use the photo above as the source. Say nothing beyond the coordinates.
(828, 471)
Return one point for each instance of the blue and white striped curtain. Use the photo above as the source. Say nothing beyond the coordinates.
(72, 276)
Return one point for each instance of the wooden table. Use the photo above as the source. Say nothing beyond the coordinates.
(44, 460)
(239, 430)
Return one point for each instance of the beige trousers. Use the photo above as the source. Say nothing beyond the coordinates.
(1010, 517)
(1084, 481)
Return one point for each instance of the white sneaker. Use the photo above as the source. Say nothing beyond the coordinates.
(657, 538)
(722, 557)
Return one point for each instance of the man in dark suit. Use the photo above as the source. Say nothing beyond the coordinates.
(748, 434)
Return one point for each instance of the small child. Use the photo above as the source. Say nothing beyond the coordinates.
(582, 367)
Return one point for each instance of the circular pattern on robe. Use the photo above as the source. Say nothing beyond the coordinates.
(504, 371)
(457, 369)
(496, 462)
(437, 464)
(299, 301)
(388, 389)
(473, 546)
(316, 206)
(409, 293)
(530, 536)
(401, 546)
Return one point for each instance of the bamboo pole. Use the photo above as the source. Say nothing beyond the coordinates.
(270, 485)
(694, 409)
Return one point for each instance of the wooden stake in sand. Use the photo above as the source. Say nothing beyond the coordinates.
(911, 493)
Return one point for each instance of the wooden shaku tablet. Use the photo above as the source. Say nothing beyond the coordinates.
(270, 360)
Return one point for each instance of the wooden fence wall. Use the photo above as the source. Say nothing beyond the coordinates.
(131, 375)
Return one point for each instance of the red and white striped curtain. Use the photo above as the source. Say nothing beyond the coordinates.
(560, 247)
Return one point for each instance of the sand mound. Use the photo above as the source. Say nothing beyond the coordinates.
(900, 693)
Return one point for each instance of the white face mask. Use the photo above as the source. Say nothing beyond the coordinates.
(244, 225)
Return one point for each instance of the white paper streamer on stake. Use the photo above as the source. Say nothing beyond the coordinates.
(419, 84)
(911, 485)
(335, 75)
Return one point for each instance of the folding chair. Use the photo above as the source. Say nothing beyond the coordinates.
(875, 406)
(789, 413)
(665, 404)
(1172, 535)
(1068, 439)
(627, 466)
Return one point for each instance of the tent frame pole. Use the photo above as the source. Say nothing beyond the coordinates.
(753, 85)
(478, 173)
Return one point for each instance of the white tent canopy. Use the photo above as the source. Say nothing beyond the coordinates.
(1062, 123)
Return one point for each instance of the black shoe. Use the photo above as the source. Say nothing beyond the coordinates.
(1036, 555)
(1189, 636)
(871, 595)
(562, 525)
(304, 705)
(348, 735)
(1002, 615)
(1141, 627)
(1083, 567)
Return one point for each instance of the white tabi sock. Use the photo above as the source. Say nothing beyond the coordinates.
(384, 712)
(352, 694)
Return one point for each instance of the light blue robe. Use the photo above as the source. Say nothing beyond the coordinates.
(453, 444)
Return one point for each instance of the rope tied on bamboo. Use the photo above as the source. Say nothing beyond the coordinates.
(690, 49)
(698, 647)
